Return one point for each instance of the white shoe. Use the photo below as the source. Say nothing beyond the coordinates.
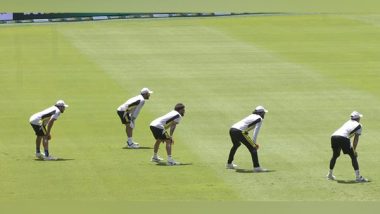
(231, 166)
(132, 142)
(133, 146)
(330, 177)
(50, 158)
(172, 162)
(259, 169)
(361, 179)
(40, 156)
(156, 159)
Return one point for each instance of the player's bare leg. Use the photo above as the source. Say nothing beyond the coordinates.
(128, 130)
(155, 157)
(38, 143)
(169, 144)
(45, 142)
(38, 147)
(169, 147)
(46, 148)
(130, 142)
(156, 146)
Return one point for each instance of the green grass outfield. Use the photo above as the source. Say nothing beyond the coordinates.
(310, 71)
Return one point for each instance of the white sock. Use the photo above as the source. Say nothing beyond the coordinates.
(169, 157)
(130, 140)
(331, 172)
(155, 155)
(357, 173)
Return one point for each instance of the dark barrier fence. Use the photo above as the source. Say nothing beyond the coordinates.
(60, 17)
(26, 16)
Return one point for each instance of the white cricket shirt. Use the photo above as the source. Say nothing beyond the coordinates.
(133, 105)
(44, 116)
(167, 120)
(252, 121)
(349, 129)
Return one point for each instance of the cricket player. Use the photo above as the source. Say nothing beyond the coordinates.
(128, 113)
(159, 127)
(42, 123)
(340, 140)
(239, 134)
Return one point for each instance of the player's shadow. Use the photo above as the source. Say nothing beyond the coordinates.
(349, 182)
(165, 164)
(59, 159)
(251, 171)
(141, 147)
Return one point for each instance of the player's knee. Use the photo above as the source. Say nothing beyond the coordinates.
(336, 155)
(237, 145)
(352, 155)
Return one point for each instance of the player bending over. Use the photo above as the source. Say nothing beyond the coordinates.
(239, 133)
(159, 127)
(128, 113)
(340, 140)
(40, 121)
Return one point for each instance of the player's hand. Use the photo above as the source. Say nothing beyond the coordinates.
(257, 146)
(171, 140)
(132, 124)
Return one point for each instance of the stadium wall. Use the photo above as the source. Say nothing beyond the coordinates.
(6, 18)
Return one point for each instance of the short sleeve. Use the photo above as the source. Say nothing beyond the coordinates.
(177, 120)
(359, 131)
(56, 114)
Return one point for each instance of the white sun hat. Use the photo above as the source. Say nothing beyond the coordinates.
(61, 103)
(356, 115)
(260, 109)
(146, 91)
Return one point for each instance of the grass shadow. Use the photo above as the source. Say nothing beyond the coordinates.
(165, 164)
(349, 182)
(141, 147)
(59, 159)
(251, 171)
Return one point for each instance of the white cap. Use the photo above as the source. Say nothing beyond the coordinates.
(146, 91)
(61, 103)
(356, 115)
(260, 109)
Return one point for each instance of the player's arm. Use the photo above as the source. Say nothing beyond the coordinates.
(357, 131)
(250, 140)
(356, 141)
(137, 110)
(135, 113)
(172, 128)
(256, 132)
(49, 126)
